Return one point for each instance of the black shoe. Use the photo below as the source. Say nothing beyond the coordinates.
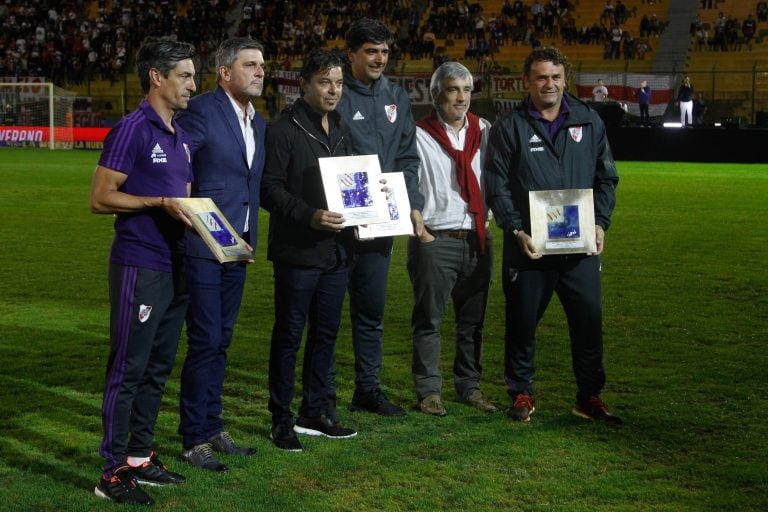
(375, 401)
(522, 407)
(595, 409)
(201, 456)
(223, 443)
(284, 437)
(322, 426)
(331, 411)
(122, 487)
(154, 472)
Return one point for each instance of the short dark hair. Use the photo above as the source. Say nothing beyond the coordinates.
(163, 54)
(367, 30)
(227, 52)
(547, 54)
(320, 60)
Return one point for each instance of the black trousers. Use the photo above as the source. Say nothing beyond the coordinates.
(528, 291)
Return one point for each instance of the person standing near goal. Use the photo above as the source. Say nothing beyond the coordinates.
(144, 166)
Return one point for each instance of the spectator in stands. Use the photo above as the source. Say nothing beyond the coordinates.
(620, 13)
(628, 46)
(748, 29)
(642, 48)
(685, 100)
(616, 36)
(654, 26)
(702, 39)
(645, 26)
(762, 11)
(607, 16)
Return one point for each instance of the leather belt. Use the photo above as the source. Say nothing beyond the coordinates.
(459, 234)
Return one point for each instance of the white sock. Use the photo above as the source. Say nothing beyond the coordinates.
(136, 461)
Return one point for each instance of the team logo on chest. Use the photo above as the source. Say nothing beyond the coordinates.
(575, 132)
(391, 111)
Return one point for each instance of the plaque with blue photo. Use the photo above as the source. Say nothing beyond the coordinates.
(563, 221)
(215, 230)
(353, 187)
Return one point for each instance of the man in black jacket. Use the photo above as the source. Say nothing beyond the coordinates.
(307, 249)
(552, 141)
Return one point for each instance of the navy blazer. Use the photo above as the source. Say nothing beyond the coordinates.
(220, 164)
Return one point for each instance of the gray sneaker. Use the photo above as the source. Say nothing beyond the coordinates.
(223, 443)
(201, 456)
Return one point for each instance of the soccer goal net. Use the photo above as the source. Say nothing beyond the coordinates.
(36, 114)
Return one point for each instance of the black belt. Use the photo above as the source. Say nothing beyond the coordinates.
(459, 234)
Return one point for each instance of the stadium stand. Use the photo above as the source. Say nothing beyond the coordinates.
(87, 45)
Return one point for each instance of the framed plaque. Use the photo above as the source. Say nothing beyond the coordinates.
(398, 208)
(215, 230)
(563, 221)
(353, 188)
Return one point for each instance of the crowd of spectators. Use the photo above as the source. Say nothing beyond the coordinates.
(727, 33)
(62, 41)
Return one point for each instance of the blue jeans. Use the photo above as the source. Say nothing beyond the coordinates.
(311, 296)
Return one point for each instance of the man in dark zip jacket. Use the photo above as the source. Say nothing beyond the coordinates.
(307, 250)
(552, 141)
(379, 115)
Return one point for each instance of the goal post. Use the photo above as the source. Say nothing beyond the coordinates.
(36, 114)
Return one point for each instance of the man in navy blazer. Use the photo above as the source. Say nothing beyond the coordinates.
(228, 159)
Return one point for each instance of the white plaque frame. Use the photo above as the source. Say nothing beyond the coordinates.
(352, 188)
(563, 221)
(212, 226)
(398, 209)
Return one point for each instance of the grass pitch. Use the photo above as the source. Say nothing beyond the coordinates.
(685, 328)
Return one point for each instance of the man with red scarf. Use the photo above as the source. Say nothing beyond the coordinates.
(451, 255)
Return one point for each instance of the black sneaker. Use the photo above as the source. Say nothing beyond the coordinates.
(331, 411)
(284, 437)
(122, 487)
(522, 407)
(595, 409)
(375, 401)
(223, 443)
(322, 426)
(154, 472)
(201, 456)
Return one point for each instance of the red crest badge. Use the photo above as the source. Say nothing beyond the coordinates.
(575, 132)
(391, 111)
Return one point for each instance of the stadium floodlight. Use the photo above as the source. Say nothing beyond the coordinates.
(37, 114)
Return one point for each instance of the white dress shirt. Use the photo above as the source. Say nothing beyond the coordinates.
(443, 206)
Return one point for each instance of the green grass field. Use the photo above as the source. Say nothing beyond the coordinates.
(685, 291)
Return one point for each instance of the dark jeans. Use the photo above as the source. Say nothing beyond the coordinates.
(576, 280)
(215, 294)
(444, 269)
(368, 276)
(311, 296)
